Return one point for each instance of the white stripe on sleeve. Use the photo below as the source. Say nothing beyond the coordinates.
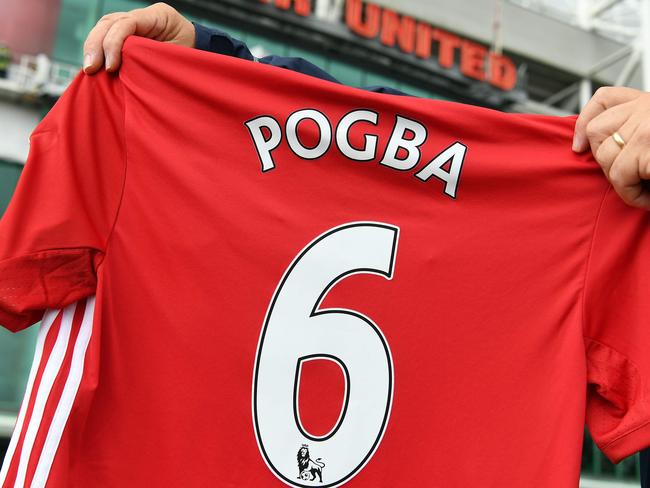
(47, 381)
(67, 398)
(46, 323)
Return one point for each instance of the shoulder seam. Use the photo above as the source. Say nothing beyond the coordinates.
(587, 266)
(125, 164)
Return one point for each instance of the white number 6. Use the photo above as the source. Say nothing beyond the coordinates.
(297, 330)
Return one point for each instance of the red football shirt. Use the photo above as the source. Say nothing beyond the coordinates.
(300, 281)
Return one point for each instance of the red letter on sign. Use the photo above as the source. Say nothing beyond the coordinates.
(423, 41)
(353, 17)
(302, 7)
(472, 60)
(503, 72)
(394, 29)
(447, 43)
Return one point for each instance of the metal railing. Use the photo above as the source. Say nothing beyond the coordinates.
(37, 76)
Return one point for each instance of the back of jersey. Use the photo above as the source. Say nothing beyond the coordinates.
(305, 284)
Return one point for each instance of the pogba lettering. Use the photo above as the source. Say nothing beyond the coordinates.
(402, 150)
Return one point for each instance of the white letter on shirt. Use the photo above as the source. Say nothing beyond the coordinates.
(343, 140)
(455, 152)
(264, 146)
(412, 146)
(325, 133)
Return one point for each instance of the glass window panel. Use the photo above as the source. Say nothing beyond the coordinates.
(9, 174)
(345, 73)
(16, 350)
(416, 91)
(374, 79)
(75, 21)
(16, 353)
(108, 6)
(269, 46)
(436, 96)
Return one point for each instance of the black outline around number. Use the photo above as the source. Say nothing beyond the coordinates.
(315, 312)
(296, 391)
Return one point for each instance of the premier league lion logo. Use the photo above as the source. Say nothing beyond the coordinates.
(308, 469)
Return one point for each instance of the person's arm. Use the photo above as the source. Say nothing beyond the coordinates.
(217, 41)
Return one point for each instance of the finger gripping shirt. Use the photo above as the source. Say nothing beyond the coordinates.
(248, 277)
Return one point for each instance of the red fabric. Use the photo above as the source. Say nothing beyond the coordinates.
(51, 278)
(511, 309)
(28, 403)
(54, 232)
(616, 326)
(55, 395)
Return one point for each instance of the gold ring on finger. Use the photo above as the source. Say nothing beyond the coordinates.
(618, 139)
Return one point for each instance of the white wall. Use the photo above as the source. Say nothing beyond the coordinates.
(16, 124)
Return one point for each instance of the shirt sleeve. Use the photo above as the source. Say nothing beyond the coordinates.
(617, 329)
(54, 233)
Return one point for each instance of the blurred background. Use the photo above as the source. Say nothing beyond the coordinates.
(540, 56)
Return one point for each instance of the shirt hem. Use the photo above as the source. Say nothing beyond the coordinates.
(628, 444)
